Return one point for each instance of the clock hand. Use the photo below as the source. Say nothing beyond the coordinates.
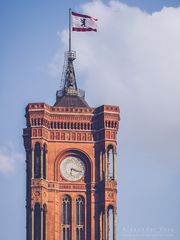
(76, 170)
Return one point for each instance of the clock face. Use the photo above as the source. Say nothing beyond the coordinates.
(72, 168)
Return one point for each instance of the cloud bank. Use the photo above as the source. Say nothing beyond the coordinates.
(133, 61)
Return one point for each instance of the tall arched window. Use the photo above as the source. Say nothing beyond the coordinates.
(101, 165)
(37, 160)
(44, 221)
(101, 225)
(80, 218)
(110, 223)
(66, 218)
(37, 222)
(110, 154)
(44, 160)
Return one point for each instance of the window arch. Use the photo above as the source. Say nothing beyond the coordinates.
(37, 160)
(101, 225)
(101, 165)
(44, 160)
(35, 122)
(80, 218)
(111, 223)
(44, 221)
(111, 159)
(37, 222)
(66, 218)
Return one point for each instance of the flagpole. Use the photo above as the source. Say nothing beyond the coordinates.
(70, 29)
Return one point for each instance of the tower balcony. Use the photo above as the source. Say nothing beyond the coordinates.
(72, 92)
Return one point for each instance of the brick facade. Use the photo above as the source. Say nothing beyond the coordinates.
(88, 133)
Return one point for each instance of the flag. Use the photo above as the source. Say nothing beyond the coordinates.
(83, 23)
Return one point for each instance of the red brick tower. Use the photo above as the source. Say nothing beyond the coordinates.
(71, 166)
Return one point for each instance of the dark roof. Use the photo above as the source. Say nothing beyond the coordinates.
(71, 101)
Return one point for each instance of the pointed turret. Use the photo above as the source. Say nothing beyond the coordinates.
(69, 95)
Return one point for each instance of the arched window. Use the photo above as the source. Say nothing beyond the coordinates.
(44, 160)
(35, 122)
(101, 225)
(80, 218)
(101, 165)
(66, 218)
(37, 160)
(110, 154)
(37, 222)
(111, 223)
(44, 221)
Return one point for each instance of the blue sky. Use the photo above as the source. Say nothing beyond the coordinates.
(143, 65)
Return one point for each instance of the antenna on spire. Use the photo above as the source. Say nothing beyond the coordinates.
(70, 27)
(68, 80)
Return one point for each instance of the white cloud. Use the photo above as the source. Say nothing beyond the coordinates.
(133, 61)
(9, 160)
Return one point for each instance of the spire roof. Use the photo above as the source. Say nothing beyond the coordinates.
(69, 95)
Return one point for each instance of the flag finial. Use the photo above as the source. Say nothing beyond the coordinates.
(70, 27)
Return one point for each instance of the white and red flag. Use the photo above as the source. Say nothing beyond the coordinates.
(83, 23)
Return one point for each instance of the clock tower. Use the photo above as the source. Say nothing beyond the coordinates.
(71, 166)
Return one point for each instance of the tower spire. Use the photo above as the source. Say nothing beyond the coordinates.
(69, 95)
(70, 85)
(70, 27)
